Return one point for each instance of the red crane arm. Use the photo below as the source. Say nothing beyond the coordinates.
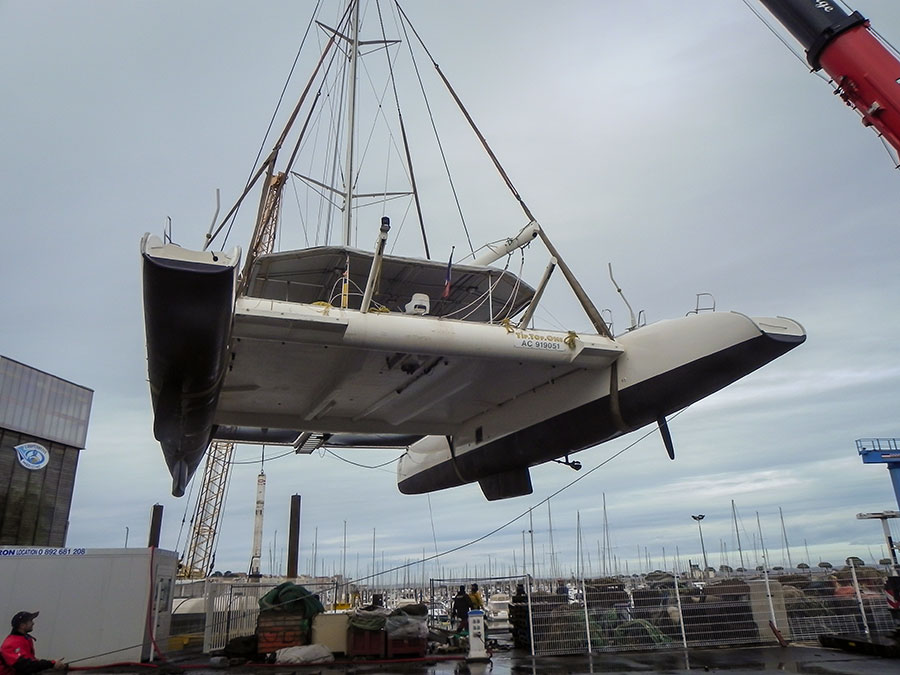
(843, 45)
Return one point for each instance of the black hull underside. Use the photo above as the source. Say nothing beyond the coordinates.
(593, 423)
(187, 315)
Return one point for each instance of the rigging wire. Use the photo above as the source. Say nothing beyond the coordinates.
(437, 136)
(303, 224)
(409, 164)
(254, 461)
(510, 304)
(262, 144)
(362, 466)
(478, 302)
(793, 50)
(431, 518)
(187, 503)
(487, 535)
(484, 144)
(891, 151)
(269, 163)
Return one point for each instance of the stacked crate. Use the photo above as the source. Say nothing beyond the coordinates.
(369, 643)
(276, 630)
(405, 647)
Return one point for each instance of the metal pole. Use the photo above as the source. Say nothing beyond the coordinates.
(587, 622)
(228, 614)
(531, 535)
(155, 625)
(156, 515)
(892, 549)
(862, 607)
(577, 289)
(490, 290)
(680, 613)
(530, 613)
(766, 572)
(698, 518)
(532, 306)
(530, 581)
(375, 269)
(894, 473)
(294, 538)
(883, 516)
(524, 557)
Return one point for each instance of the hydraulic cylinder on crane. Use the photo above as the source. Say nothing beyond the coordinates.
(863, 68)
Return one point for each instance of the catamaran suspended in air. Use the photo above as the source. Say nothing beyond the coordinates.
(332, 345)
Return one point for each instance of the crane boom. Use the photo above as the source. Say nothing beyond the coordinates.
(200, 551)
(862, 67)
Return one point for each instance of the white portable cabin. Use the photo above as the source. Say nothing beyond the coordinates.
(97, 606)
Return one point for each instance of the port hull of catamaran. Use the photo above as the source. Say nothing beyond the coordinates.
(664, 368)
(188, 300)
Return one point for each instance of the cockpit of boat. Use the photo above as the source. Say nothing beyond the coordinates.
(314, 275)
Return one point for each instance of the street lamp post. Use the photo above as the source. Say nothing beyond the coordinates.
(702, 547)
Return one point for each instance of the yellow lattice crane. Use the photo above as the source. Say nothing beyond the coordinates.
(201, 547)
(200, 553)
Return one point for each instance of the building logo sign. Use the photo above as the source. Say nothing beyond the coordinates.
(33, 456)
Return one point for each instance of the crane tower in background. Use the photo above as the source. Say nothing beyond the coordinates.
(256, 553)
(200, 551)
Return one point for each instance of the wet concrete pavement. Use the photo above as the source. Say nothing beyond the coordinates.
(755, 660)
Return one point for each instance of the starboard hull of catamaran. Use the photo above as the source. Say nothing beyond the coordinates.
(664, 367)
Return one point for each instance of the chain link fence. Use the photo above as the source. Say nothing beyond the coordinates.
(621, 613)
(666, 611)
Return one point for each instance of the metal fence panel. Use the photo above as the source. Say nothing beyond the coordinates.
(646, 613)
(658, 611)
(231, 611)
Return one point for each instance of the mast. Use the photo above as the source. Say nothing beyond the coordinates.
(344, 565)
(553, 571)
(787, 547)
(315, 562)
(531, 534)
(351, 122)
(737, 533)
(580, 553)
(606, 544)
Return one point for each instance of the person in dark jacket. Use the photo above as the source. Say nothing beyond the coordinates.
(461, 606)
(17, 651)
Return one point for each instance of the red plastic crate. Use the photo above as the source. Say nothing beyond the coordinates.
(365, 642)
(406, 647)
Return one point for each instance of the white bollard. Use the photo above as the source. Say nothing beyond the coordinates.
(477, 651)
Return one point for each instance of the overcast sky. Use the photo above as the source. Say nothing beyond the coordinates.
(685, 144)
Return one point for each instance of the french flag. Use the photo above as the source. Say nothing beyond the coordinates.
(446, 293)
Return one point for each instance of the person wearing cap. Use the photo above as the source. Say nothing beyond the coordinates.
(17, 651)
(461, 606)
